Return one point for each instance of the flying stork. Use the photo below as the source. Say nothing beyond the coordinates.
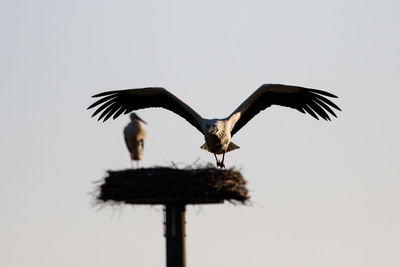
(217, 132)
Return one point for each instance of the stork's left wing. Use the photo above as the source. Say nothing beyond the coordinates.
(305, 100)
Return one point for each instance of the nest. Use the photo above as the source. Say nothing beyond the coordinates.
(162, 185)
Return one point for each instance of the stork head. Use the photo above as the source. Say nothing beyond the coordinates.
(213, 127)
(135, 117)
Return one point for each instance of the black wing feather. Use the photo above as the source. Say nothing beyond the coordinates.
(325, 106)
(101, 100)
(114, 103)
(305, 100)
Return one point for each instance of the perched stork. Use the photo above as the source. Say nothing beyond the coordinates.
(217, 132)
(134, 135)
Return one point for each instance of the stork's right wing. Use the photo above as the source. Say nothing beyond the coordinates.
(114, 103)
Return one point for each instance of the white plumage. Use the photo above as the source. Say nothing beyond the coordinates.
(134, 135)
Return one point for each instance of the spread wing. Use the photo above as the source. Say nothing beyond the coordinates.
(305, 100)
(115, 103)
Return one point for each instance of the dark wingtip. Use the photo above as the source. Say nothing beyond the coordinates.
(91, 106)
(321, 92)
(106, 93)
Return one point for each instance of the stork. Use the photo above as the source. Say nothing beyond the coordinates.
(217, 132)
(134, 135)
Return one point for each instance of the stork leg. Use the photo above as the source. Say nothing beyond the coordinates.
(222, 164)
(218, 162)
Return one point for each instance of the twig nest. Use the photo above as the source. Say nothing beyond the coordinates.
(162, 185)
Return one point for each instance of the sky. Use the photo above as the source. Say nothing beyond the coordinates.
(322, 193)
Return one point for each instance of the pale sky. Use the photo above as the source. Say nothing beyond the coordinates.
(322, 193)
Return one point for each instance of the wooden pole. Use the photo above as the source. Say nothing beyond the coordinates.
(175, 234)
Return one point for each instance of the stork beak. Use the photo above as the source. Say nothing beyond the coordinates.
(137, 117)
(213, 129)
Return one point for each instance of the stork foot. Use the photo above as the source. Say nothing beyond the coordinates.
(220, 164)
